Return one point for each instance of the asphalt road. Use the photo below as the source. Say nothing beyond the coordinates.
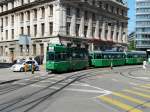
(123, 89)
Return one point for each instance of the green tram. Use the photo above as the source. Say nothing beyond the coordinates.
(62, 59)
(135, 57)
(104, 59)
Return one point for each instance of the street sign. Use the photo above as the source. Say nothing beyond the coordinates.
(25, 40)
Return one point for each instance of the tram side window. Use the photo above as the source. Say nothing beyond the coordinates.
(98, 56)
(61, 56)
(105, 56)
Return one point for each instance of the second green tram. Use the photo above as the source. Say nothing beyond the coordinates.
(103, 59)
(135, 57)
(62, 59)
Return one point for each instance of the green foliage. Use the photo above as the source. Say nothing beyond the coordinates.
(131, 45)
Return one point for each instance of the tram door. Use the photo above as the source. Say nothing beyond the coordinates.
(148, 55)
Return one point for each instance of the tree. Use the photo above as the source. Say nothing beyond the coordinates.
(131, 45)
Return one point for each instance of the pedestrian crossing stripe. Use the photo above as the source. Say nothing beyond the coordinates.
(148, 87)
(147, 84)
(141, 89)
(137, 93)
(134, 100)
(119, 104)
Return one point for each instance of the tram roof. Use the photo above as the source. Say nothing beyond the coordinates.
(136, 52)
(106, 52)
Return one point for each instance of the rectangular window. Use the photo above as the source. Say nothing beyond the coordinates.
(34, 50)
(6, 7)
(43, 28)
(85, 30)
(100, 31)
(43, 12)
(22, 30)
(78, 13)
(21, 17)
(12, 4)
(12, 20)
(6, 34)
(42, 49)
(28, 15)
(12, 33)
(28, 30)
(86, 15)
(77, 29)
(68, 29)
(6, 21)
(21, 50)
(35, 13)
(22, 2)
(35, 30)
(51, 10)
(68, 11)
(51, 28)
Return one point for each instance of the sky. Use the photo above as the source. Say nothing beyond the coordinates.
(131, 15)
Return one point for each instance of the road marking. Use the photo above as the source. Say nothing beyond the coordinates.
(77, 90)
(145, 87)
(105, 105)
(141, 89)
(100, 89)
(119, 104)
(115, 80)
(147, 84)
(134, 100)
(146, 78)
(137, 93)
(133, 84)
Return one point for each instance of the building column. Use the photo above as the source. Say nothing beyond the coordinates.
(38, 49)
(25, 25)
(9, 28)
(81, 28)
(59, 19)
(17, 50)
(125, 34)
(96, 35)
(89, 31)
(109, 33)
(120, 34)
(115, 33)
(39, 15)
(0, 29)
(17, 30)
(103, 31)
(47, 27)
(73, 23)
(31, 24)
(45, 50)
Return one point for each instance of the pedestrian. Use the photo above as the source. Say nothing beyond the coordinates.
(144, 65)
(25, 67)
(33, 68)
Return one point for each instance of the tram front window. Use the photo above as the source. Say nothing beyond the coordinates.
(50, 57)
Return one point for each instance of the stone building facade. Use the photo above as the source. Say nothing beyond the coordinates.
(100, 24)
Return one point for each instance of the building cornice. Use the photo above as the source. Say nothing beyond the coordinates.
(25, 6)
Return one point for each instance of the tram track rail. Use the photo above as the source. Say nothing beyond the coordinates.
(30, 100)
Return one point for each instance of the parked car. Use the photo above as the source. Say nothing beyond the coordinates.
(20, 66)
